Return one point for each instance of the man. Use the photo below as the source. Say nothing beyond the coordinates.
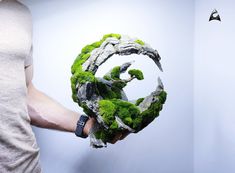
(21, 104)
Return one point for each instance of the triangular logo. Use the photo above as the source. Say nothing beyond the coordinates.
(214, 15)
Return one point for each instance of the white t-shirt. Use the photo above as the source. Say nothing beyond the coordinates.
(18, 148)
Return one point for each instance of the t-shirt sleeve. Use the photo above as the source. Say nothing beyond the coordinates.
(29, 59)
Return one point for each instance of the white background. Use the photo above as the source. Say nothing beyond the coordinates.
(62, 28)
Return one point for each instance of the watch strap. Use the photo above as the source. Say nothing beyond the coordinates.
(80, 126)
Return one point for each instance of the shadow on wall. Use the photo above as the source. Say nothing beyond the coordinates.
(111, 160)
(98, 162)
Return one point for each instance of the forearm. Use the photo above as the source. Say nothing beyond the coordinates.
(47, 113)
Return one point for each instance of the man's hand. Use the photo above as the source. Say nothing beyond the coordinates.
(92, 121)
(89, 124)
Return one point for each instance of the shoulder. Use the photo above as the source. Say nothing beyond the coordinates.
(23, 7)
(23, 12)
(15, 10)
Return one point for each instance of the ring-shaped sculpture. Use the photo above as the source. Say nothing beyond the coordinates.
(104, 98)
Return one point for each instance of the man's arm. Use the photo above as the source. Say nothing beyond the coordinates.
(47, 113)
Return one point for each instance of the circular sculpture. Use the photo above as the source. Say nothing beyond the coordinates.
(104, 98)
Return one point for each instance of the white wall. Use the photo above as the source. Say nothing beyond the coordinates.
(62, 28)
(214, 92)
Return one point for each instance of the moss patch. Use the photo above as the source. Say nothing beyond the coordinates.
(137, 103)
(107, 77)
(108, 92)
(80, 76)
(136, 73)
(107, 110)
(140, 42)
(115, 73)
(149, 115)
(126, 111)
(118, 36)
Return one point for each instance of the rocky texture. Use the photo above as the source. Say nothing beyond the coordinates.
(104, 98)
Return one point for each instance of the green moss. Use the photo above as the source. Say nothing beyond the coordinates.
(108, 92)
(117, 92)
(87, 110)
(102, 134)
(96, 44)
(119, 84)
(129, 113)
(87, 49)
(107, 77)
(137, 103)
(126, 111)
(74, 95)
(98, 134)
(136, 73)
(84, 58)
(162, 97)
(118, 36)
(107, 110)
(114, 125)
(140, 42)
(80, 77)
(107, 135)
(84, 76)
(78, 74)
(123, 109)
(115, 73)
(150, 114)
(77, 65)
(137, 123)
(128, 120)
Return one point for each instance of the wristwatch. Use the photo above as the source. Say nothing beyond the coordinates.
(80, 126)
